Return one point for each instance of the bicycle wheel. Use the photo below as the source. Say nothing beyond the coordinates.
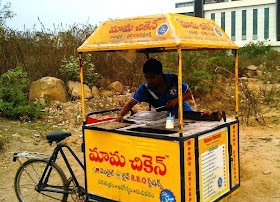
(28, 176)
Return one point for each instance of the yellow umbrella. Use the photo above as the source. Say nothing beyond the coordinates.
(166, 31)
(160, 32)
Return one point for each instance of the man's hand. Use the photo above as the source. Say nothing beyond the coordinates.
(172, 102)
(126, 108)
(119, 118)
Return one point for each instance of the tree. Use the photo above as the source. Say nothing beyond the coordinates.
(5, 13)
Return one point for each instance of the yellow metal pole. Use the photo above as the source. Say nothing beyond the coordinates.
(82, 88)
(236, 85)
(180, 91)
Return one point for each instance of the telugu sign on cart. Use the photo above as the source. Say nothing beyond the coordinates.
(123, 171)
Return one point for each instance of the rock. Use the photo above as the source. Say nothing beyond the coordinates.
(15, 135)
(261, 67)
(74, 89)
(252, 67)
(251, 71)
(245, 79)
(259, 73)
(95, 92)
(116, 87)
(48, 87)
(106, 93)
(266, 172)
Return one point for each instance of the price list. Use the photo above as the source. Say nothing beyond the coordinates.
(213, 165)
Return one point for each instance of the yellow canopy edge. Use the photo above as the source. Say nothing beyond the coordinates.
(158, 31)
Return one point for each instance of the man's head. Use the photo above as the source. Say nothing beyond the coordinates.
(152, 70)
(152, 65)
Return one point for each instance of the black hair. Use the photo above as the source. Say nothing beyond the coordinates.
(152, 65)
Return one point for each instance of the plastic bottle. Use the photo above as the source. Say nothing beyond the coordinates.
(169, 122)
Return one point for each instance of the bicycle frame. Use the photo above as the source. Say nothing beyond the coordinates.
(46, 173)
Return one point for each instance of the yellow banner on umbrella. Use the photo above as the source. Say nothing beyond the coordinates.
(158, 31)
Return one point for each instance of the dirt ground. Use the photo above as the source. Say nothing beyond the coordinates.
(259, 155)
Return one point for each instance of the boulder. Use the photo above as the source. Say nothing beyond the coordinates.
(74, 89)
(106, 93)
(251, 71)
(95, 92)
(259, 73)
(243, 79)
(48, 87)
(116, 87)
(252, 68)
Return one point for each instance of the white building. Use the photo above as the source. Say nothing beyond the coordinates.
(244, 21)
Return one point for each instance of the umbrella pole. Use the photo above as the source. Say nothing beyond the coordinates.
(236, 84)
(180, 92)
(82, 88)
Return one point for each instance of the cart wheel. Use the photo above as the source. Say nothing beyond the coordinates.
(27, 179)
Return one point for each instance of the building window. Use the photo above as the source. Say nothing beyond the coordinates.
(266, 23)
(184, 4)
(223, 20)
(213, 16)
(233, 25)
(244, 21)
(255, 24)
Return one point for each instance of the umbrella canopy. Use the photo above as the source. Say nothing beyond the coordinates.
(164, 31)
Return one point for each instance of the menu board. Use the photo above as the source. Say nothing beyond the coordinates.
(213, 164)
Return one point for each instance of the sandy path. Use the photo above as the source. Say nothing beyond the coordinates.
(259, 153)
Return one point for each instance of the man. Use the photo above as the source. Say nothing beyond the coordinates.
(160, 90)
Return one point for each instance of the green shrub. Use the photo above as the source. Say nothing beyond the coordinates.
(13, 96)
(70, 70)
(200, 68)
(201, 81)
(251, 50)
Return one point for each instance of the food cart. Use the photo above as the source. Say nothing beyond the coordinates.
(141, 160)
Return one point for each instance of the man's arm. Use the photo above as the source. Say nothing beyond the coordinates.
(126, 108)
(172, 102)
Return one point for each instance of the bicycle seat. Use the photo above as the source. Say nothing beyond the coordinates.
(57, 136)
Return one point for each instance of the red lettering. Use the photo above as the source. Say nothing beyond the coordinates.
(94, 155)
(136, 164)
(126, 28)
(148, 25)
(113, 158)
(205, 26)
(159, 160)
(148, 165)
(189, 25)
(105, 155)
(144, 180)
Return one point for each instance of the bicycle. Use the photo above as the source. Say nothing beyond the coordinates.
(40, 175)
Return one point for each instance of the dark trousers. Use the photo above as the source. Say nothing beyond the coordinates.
(199, 116)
